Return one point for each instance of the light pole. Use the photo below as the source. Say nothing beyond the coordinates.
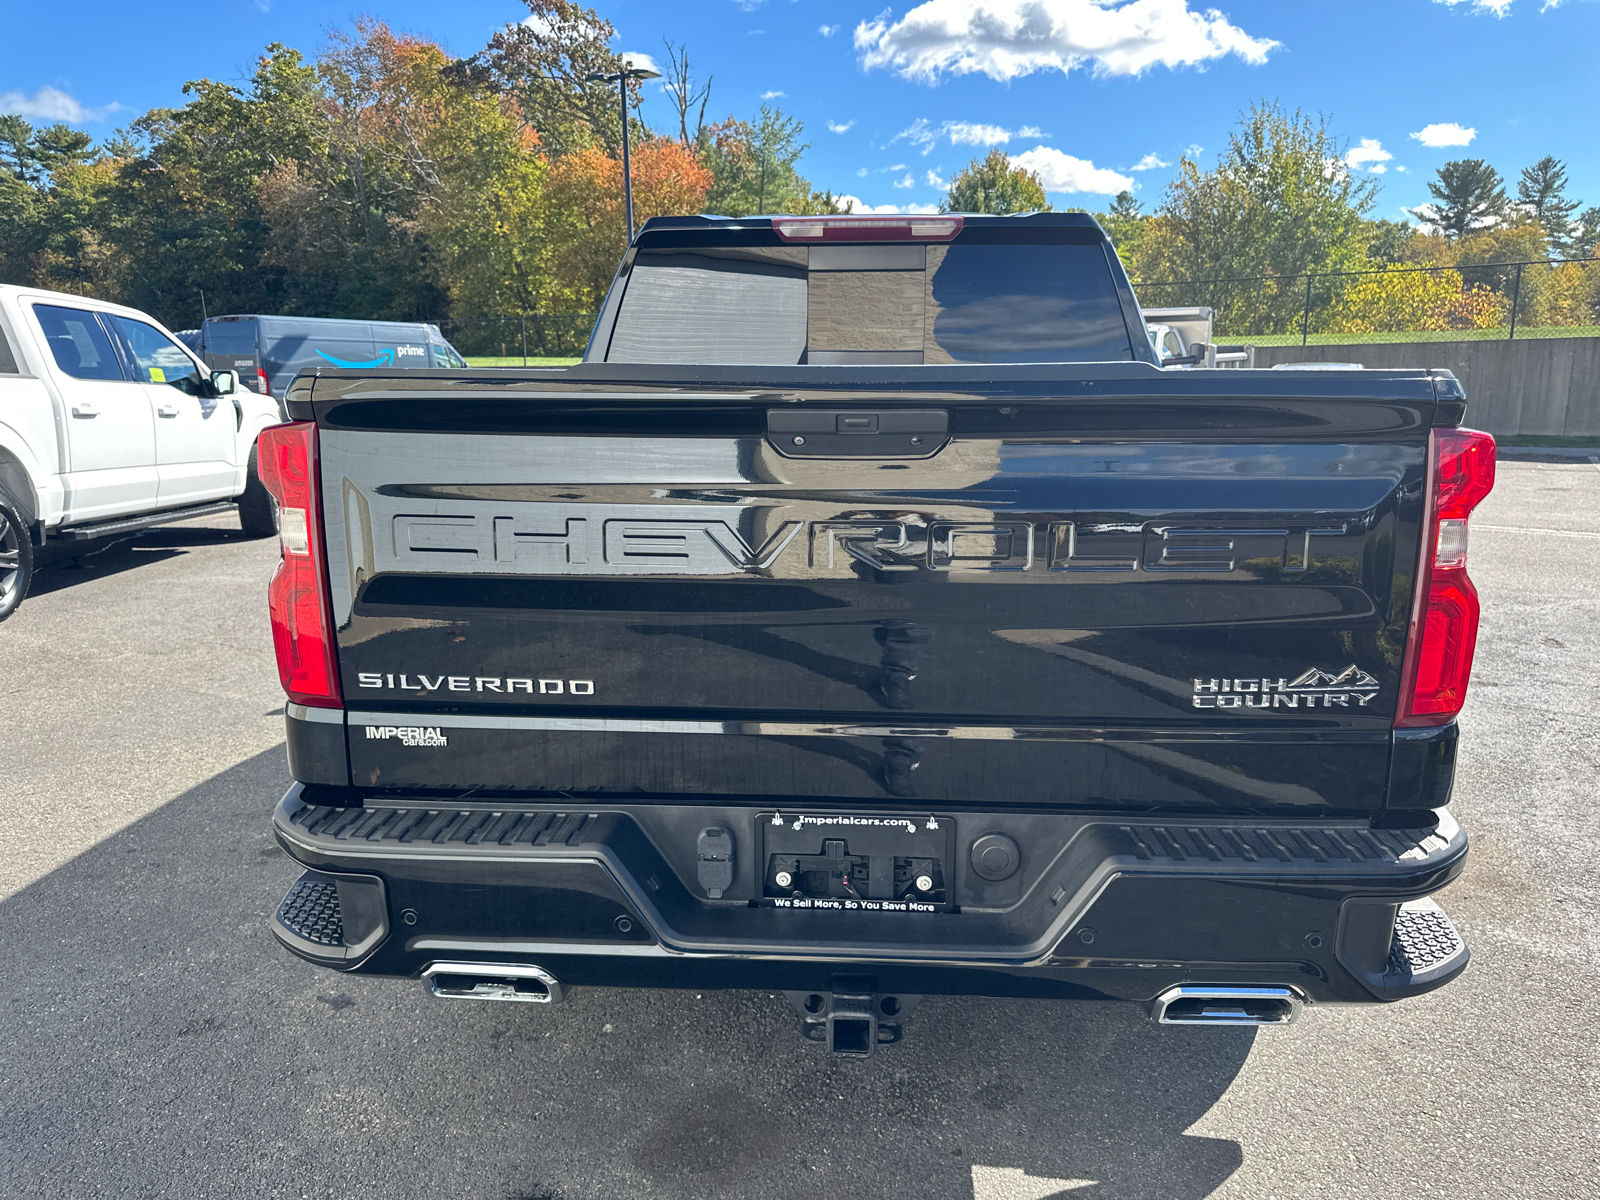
(621, 78)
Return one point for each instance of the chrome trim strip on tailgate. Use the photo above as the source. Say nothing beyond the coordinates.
(991, 733)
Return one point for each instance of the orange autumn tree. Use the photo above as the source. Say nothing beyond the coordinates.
(586, 223)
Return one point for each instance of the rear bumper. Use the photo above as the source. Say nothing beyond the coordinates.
(1098, 907)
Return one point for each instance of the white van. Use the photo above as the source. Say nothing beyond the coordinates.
(108, 424)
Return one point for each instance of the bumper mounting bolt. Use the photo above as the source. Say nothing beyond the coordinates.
(924, 883)
(783, 879)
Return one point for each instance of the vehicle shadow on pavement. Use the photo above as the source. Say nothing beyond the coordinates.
(161, 1043)
(63, 564)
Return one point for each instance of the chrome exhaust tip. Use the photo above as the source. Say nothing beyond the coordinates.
(521, 982)
(1198, 1004)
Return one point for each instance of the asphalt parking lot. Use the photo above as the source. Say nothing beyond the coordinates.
(156, 1042)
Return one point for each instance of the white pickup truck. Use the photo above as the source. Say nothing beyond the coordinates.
(108, 424)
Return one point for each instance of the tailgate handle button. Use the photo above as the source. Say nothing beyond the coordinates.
(804, 432)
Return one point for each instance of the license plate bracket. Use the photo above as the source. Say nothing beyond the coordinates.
(856, 861)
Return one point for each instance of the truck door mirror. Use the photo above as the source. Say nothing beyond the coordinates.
(224, 383)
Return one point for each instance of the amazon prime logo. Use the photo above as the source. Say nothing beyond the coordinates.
(1350, 688)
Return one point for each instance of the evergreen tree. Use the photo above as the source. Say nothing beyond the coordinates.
(995, 186)
(1585, 240)
(1124, 223)
(1541, 193)
(1471, 196)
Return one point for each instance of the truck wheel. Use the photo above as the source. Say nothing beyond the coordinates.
(258, 511)
(16, 560)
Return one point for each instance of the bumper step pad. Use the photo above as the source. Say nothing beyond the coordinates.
(1426, 946)
(332, 919)
(311, 911)
(443, 826)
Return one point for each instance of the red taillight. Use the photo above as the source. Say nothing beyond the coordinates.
(266, 384)
(1444, 612)
(297, 597)
(908, 228)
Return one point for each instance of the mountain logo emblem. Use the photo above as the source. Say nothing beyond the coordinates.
(1351, 679)
(385, 359)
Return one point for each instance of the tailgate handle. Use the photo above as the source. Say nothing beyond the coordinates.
(858, 433)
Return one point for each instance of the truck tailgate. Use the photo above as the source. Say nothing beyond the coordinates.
(1139, 591)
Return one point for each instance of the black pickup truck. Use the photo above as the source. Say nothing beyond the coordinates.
(869, 616)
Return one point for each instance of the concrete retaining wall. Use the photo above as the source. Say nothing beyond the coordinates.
(1538, 386)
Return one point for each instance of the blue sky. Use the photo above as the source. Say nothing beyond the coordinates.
(896, 100)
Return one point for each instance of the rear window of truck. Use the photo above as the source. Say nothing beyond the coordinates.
(870, 304)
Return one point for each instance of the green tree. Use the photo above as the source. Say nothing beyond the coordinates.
(1541, 194)
(52, 183)
(1273, 207)
(1389, 241)
(754, 165)
(545, 62)
(993, 185)
(1124, 224)
(1585, 240)
(1469, 195)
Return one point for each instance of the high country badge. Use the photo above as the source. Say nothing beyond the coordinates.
(1350, 688)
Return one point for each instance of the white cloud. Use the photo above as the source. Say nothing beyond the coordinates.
(1005, 39)
(1498, 7)
(1149, 162)
(1063, 173)
(1449, 134)
(857, 205)
(1194, 149)
(840, 126)
(538, 24)
(772, 95)
(965, 133)
(925, 134)
(920, 133)
(1369, 154)
(898, 167)
(827, 30)
(907, 182)
(1403, 170)
(936, 181)
(52, 104)
(638, 58)
(749, 5)
(863, 173)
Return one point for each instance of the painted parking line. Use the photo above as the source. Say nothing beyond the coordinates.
(1577, 533)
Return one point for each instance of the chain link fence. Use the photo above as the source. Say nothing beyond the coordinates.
(1533, 299)
(511, 340)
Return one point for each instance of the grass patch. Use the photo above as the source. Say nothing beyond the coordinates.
(516, 360)
(1528, 332)
(1540, 439)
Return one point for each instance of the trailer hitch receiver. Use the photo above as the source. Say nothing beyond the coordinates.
(851, 1019)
